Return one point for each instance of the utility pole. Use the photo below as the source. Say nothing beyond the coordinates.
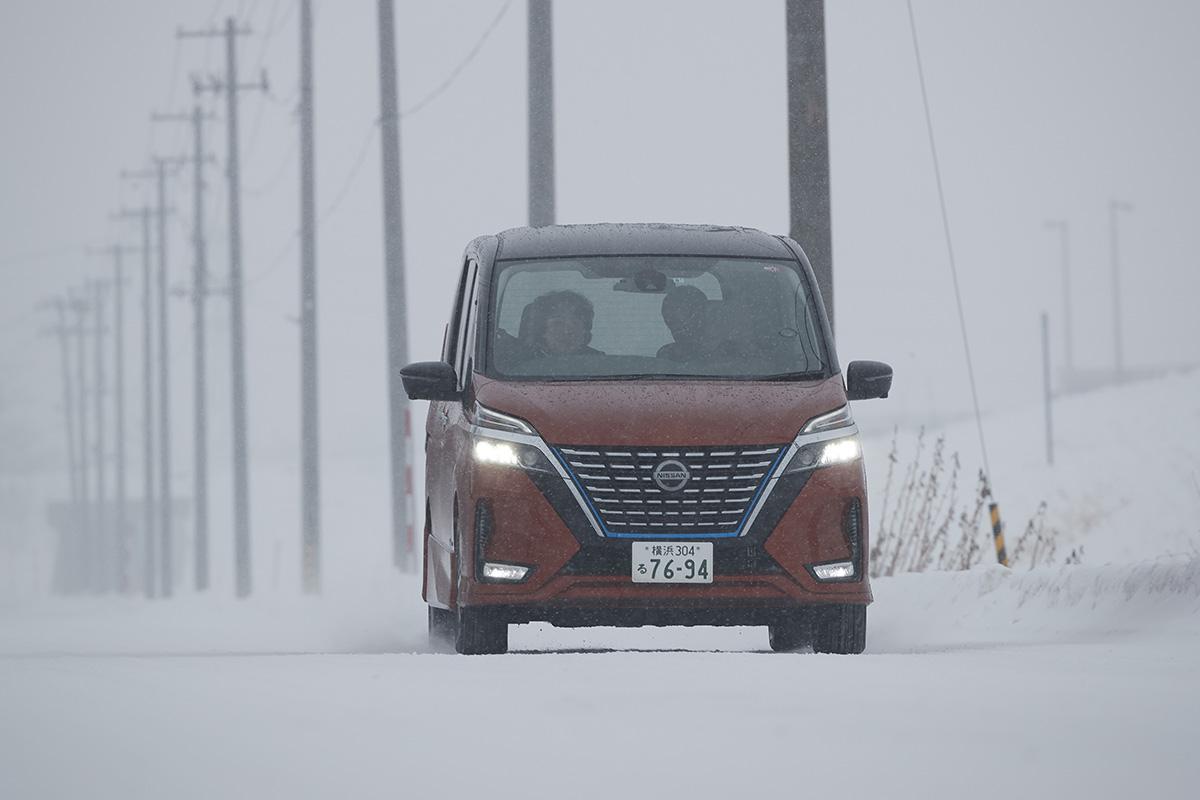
(159, 174)
(87, 545)
(1115, 206)
(164, 391)
(808, 141)
(102, 567)
(397, 323)
(149, 534)
(199, 294)
(1063, 227)
(310, 482)
(69, 578)
(122, 519)
(241, 479)
(541, 113)
(120, 528)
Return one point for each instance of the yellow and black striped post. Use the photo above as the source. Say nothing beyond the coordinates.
(998, 533)
(997, 524)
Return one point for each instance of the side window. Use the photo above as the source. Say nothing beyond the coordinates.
(471, 344)
(462, 340)
(450, 339)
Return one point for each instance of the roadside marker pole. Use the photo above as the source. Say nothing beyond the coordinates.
(997, 529)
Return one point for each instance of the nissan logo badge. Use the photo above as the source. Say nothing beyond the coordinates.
(671, 476)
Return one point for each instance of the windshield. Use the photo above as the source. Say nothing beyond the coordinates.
(653, 316)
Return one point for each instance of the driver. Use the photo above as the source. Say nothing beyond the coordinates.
(562, 324)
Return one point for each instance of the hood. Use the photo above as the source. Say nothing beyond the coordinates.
(663, 413)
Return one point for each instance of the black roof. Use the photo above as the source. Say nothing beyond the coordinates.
(604, 239)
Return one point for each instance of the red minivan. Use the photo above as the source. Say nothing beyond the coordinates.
(643, 425)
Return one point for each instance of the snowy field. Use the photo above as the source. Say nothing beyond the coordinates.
(1064, 682)
(1071, 682)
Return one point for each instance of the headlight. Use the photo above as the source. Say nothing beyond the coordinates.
(510, 454)
(830, 449)
(506, 441)
(825, 454)
(839, 451)
(489, 451)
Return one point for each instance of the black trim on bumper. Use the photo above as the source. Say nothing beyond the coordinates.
(601, 556)
(640, 616)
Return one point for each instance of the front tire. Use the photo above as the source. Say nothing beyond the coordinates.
(480, 633)
(840, 629)
(790, 634)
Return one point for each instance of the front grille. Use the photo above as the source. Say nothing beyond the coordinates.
(715, 499)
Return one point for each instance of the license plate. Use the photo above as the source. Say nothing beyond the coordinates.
(672, 562)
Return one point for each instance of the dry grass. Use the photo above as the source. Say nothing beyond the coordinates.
(923, 526)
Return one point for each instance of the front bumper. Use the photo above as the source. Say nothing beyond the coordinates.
(577, 575)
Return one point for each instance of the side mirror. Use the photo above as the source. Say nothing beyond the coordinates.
(430, 380)
(866, 380)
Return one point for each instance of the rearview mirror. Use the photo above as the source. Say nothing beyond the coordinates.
(430, 380)
(866, 380)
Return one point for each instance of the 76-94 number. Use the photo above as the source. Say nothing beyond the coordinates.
(688, 570)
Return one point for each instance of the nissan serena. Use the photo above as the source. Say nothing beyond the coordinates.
(643, 425)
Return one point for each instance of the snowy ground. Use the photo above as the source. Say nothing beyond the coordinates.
(1062, 682)
(1073, 682)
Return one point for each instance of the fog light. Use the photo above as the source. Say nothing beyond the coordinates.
(504, 572)
(488, 451)
(837, 571)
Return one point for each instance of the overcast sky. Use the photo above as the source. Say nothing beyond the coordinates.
(666, 111)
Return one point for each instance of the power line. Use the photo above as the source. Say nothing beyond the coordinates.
(171, 94)
(937, 172)
(454, 73)
(348, 181)
(264, 97)
(364, 149)
(276, 262)
(285, 167)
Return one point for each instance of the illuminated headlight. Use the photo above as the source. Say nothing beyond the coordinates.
(840, 451)
(504, 572)
(490, 451)
(826, 454)
(510, 454)
(835, 571)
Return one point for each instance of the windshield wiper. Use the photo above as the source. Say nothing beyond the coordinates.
(792, 376)
(652, 376)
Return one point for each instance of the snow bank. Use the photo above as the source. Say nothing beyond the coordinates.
(1125, 483)
(995, 605)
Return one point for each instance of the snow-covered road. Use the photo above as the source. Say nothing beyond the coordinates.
(1071, 683)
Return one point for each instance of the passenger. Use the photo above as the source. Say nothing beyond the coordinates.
(683, 311)
(562, 324)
